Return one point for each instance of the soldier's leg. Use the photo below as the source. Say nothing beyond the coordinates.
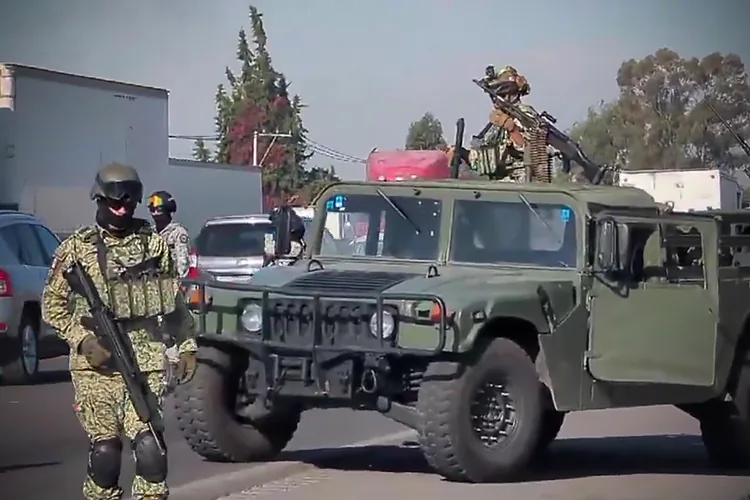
(150, 478)
(98, 408)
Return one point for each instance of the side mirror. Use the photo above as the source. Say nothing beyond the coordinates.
(607, 247)
(277, 239)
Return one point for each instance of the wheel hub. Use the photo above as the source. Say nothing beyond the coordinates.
(28, 350)
(493, 413)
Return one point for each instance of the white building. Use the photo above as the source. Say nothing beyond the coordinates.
(57, 129)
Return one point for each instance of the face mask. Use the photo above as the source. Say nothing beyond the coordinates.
(161, 220)
(114, 223)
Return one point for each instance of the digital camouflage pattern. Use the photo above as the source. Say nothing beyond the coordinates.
(104, 410)
(502, 147)
(178, 240)
(101, 401)
(62, 309)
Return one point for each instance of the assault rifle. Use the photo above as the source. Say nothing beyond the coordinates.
(111, 335)
(567, 147)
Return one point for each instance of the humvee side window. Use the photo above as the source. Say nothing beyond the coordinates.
(493, 232)
(673, 252)
(379, 230)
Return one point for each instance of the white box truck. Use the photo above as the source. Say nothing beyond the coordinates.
(688, 190)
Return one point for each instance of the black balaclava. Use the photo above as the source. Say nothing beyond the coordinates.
(118, 225)
(161, 220)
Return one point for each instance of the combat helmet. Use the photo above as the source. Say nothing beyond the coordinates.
(162, 201)
(117, 182)
(510, 73)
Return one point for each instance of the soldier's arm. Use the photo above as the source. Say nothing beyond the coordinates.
(182, 252)
(184, 322)
(57, 299)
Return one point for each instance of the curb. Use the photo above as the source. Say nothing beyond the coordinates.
(215, 487)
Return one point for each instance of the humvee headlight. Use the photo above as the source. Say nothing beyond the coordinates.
(252, 318)
(388, 324)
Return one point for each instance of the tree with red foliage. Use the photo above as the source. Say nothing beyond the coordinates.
(257, 99)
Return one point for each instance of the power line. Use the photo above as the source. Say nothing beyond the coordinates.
(315, 147)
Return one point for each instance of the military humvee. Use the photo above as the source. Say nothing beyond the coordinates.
(480, 314)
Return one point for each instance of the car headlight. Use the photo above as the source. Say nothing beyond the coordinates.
(388, 323)
(252, 318)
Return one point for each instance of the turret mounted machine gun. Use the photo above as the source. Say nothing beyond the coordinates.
(541, 131)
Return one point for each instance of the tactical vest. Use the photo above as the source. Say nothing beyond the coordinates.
(136, 292)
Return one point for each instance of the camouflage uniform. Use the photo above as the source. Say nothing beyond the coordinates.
(144, 306)
(162, 206)
(178, 241)
(501, 148)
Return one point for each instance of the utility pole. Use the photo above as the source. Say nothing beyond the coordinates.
(257, 135)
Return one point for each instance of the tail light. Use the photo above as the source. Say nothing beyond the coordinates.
(193, 293)
(193, 265)
(6, 284)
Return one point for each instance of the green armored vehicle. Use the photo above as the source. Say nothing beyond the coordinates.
(480, 313)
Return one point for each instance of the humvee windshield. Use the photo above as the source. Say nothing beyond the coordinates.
(379, 225)
(494, 232)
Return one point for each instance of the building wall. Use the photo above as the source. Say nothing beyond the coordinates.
(204, 190)
(63, 128)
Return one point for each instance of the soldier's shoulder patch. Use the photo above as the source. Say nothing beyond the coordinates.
(183, 238)
(59, 259)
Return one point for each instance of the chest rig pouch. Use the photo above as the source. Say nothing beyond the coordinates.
(141, 296)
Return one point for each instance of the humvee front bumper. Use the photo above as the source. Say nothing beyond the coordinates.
(321, 344)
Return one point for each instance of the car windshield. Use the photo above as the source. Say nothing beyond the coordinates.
(493, 232)
(380, 225)
(236, 239)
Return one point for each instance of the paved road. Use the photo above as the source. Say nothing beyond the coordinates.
(650, 454)
(43, 450)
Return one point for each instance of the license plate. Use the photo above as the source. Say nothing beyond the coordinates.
(233, 279)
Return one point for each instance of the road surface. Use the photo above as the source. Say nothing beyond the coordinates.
(634, 454)
(43, 450)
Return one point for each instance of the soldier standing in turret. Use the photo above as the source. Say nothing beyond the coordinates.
(134, 274)
(507, 131)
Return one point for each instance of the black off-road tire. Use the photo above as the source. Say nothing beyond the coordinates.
(552, 422)
(17, 372)
(445, 429)
(725, 426)
(207, 422)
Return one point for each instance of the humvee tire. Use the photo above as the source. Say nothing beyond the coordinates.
(552, 422)
(206, 419)
(447, 398)
(725, 426)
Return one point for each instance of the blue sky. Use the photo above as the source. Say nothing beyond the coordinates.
(367, 69)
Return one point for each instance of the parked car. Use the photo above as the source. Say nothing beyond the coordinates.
(230, 248)
(27, 249)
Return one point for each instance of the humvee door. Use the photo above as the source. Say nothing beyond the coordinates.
(655, 321)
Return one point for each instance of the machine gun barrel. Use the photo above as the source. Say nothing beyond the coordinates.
(124, 360)
(567, 147)
(742, 142)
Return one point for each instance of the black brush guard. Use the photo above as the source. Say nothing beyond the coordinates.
(317, 359)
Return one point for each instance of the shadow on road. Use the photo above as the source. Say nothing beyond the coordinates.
(15, 467)
(47, 377)
(565, 459)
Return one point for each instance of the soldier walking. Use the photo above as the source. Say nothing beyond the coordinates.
(163, 206)
(135, 275)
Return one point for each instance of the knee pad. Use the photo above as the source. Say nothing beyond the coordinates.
(150, 464)
(104, 462)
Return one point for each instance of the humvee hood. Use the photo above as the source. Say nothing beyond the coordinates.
(497, 291)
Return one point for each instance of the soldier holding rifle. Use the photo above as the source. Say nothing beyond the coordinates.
(113, 294)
